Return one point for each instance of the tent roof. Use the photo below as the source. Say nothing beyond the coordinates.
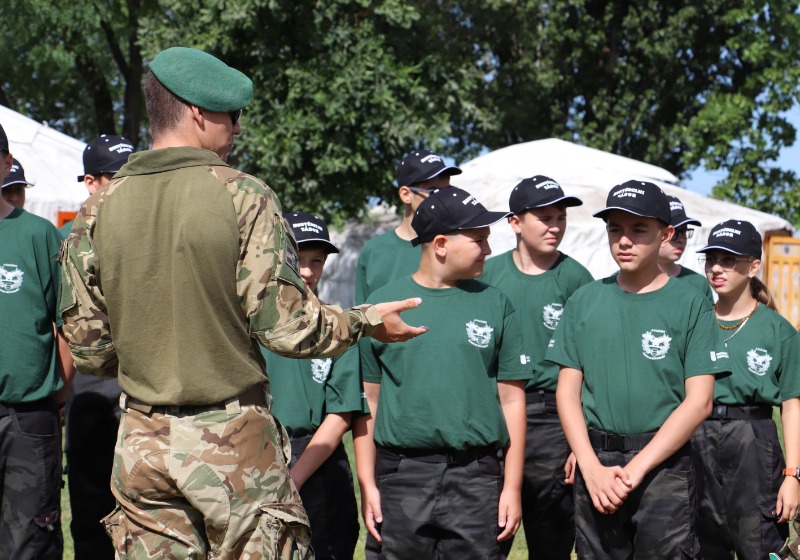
(52, 162)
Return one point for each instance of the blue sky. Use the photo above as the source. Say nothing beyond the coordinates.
(702, 181)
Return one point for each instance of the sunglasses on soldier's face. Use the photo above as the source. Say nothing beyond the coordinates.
(235, 116)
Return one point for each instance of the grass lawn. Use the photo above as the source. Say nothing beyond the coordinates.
(518, 552)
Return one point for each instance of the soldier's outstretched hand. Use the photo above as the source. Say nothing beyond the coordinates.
(394, 329)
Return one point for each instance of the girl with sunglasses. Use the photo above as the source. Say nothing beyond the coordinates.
(746, 492)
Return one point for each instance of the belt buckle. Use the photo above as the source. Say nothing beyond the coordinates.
(615, 442)
(721, 411)
(458, 456)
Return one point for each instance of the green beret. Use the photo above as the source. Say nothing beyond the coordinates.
(202, 79)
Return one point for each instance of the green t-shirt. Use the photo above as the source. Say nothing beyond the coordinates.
(765, 359)
(439, 390)
(539, 300)
(29, 284)
(635, 351)
(384, 259)
(305, 391)
(697, 280)
(65, 229)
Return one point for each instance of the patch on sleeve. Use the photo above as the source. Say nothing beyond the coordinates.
(289, 270)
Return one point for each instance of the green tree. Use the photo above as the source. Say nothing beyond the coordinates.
(676, 84)
(76, 64)
(343, 90)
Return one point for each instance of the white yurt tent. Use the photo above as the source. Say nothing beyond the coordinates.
(584, 172)
(52, 162)
(589, 174)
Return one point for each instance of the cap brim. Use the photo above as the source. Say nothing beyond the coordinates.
(687, 222)
(721, 248)
(26, 183)
(605, 211)
(331, 248)
(485, 220)
(568, 201)
(447, 170)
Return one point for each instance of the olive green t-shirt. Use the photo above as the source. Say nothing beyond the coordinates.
(305, 391)
(697, 280)
(539, 300)
(635, 351)
(439, 390)
(384, 259)
(765, 358)
(29, 284)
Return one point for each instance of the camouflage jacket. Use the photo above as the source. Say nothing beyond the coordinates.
(173, 270)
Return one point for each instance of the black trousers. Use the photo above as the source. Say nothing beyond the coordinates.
(445, 510)
(739, 464)
(657, 520)
(330, 502)
(93, 415)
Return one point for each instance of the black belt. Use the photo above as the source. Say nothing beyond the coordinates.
(725, 412)
(47, 403)
(616, 442)
(256, 395)
(536, 396)
(451, 456)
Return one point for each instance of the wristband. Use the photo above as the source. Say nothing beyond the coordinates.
(794, 472)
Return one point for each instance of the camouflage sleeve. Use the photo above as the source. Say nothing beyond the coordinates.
(282, 313)
(81, 302)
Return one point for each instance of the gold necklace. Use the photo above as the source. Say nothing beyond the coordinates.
(737, 325)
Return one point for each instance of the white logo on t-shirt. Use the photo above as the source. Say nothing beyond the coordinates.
(523, 359)
(552, 314)
(655, 344)
(758, 361)
(10, 278)
(479, 333)
(320, 367)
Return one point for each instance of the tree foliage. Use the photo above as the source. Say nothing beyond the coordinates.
(345, 87)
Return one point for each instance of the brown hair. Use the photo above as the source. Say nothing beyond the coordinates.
(164, 109)
(760, 291)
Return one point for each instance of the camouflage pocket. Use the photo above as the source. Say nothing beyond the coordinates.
(285, 532)
(66, 293)
(116, 525)
(287, 268)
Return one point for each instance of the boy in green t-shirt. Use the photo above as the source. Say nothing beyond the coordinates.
(443, 408)
(538, 279)
(638, 357)
(390, 255)
(314, 400)
(670, 254)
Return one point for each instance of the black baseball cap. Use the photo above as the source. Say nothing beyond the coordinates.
(3, 140)
(537, 192)
(105, 155)
(678, 215)
(16, 175)
(735, 236)
(637, 197)
(449, 210)
(309, 228)
(422, 165)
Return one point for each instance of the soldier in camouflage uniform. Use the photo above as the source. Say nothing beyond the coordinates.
(190, 264)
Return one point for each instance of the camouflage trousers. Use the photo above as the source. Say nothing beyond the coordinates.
(210, 484)
(657, 520)
(30, 481)
(739, 466)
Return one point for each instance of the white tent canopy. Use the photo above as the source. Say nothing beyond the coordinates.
(589, 174)
(584, 172)
(52, 162)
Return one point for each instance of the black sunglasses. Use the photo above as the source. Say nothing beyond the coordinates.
(235, 116)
